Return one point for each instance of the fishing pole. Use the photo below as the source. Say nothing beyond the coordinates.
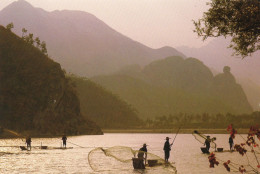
(176, 135)
(75, 144)
(14, 133)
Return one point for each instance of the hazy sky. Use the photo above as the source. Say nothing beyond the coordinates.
(155, 23)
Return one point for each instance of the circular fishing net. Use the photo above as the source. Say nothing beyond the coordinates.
(120, 158)
(201, 138)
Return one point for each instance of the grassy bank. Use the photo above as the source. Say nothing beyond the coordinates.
(182, 131)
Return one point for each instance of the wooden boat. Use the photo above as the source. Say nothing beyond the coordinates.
(62, 147)
(219, 150)
(43, 147)
(23, 148)
(152, 163)
(138, 163)
(204, 150)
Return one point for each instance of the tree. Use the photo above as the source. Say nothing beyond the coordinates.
(10, 26)
(236, 18)
(38, 42)
(43, 48)
(30, 40)
(24, 32)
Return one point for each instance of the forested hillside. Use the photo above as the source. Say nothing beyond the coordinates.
(101, 106)
(35, 95)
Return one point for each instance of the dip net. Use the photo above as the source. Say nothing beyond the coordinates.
(120, 158)
(201, 138)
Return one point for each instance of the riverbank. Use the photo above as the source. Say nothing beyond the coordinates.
(34, 134)
(181, 131)
(155, 131)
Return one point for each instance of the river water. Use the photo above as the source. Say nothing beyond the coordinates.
(186, 155)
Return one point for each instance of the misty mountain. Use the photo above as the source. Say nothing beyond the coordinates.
(35, 95)
(216, 55)
(79, 41)
(176, 85)
(103, 107)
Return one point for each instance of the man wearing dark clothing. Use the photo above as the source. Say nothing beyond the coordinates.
(142, 155)
(167, 149)
(28, 143)
(64, 139)
(231, 142)
(207, 143)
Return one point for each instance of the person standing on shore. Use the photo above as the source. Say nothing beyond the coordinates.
(167, 149)
(64, 140)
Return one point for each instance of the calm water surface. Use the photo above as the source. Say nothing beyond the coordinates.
(185, 154)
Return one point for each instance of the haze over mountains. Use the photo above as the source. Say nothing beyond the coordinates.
(79, 41)
(175, 85)
(141, 76)
(216, 55)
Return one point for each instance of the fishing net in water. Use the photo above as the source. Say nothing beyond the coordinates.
(201, 138)
(120, 158)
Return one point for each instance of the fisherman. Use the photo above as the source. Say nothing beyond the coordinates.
(207, 143)
(142, 156)
(64, 139)
(167, 149)
(231, 143)
(28, 142)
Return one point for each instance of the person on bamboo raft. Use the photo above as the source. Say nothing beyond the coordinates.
(231, 142)
(207, 143)
(167, 149)
(28, 142)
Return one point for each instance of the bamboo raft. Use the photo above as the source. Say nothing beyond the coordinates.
(43, 147)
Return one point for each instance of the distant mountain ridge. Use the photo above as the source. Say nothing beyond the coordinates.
(175, 85)
(79, 41)
(216, 55)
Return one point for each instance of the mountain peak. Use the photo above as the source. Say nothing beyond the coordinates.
(18, 6)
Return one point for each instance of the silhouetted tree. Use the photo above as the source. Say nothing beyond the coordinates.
(43, 48)
(236, 18)
(10, 26)
(24, 32)
(38, 42)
